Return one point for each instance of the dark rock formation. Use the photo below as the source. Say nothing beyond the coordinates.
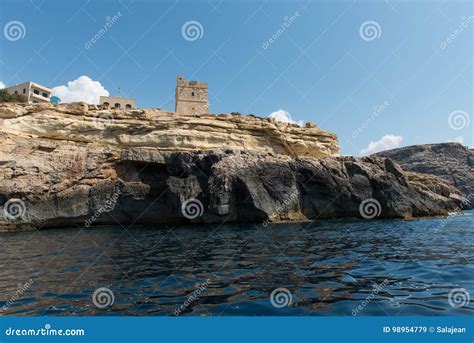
(46, 184)
(451, 161)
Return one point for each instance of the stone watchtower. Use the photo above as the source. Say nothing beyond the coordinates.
(191, 97)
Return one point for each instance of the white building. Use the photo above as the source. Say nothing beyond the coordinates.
(33, 92)
(117, 102)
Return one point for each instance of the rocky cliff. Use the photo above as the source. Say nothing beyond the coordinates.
(162, 130)
(450, 161)
(58, 169)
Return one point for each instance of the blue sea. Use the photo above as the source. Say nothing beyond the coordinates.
(335, 267)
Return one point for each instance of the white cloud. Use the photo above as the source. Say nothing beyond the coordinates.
(2, 85)
(459, 139)
(385, 143)
(285, 117)
(82, 89)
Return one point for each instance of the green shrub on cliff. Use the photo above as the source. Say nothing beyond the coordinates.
(7, 97)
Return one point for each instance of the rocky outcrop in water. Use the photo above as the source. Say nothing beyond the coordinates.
(48, 183)
(451, 161)
(67, 165)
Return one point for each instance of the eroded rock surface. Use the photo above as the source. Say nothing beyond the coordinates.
(67, 183)
(451, 161)
(76, 164)
(164, 130)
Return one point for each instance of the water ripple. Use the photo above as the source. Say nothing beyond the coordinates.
(339, 267)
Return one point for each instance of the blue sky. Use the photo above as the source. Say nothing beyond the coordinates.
(401, 78)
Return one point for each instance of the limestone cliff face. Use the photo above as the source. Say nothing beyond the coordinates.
(451, 161)
(58, 169)
(164, 130)
(46, 183)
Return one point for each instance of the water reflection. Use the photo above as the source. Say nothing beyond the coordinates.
(330, 268)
